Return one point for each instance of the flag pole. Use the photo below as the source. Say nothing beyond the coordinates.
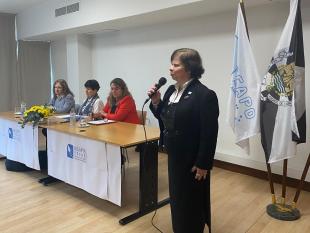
(244, 17)
(284, 181)
(273, 197)
(281, 211)
(301, 182)
(291, 40)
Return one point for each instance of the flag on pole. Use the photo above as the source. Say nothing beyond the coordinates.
(243, 103)
(283, 111)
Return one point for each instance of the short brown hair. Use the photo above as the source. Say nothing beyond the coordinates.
(191, 60)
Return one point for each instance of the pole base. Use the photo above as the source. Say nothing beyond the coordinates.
(283, 212)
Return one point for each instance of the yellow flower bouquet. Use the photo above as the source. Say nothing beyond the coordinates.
(36, 114)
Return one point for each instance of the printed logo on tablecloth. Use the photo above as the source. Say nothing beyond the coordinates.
(11, 133)
(14, 134)
(76, 152)
(70, 151)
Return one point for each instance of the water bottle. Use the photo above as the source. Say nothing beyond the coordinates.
(72, 117)
(23, 107)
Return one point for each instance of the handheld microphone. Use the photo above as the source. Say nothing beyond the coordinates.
(162, 81)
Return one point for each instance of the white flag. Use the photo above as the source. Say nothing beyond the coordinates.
(243, 103)
(283, 111)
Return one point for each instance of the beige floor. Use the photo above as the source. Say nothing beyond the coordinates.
(238, 205)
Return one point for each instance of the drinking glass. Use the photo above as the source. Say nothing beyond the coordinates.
(23, 107)
(17, 110)
(83, 122)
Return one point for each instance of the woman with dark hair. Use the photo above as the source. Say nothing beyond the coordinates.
(120, 105)
(189, 111)
(63, 98)
(92, 104)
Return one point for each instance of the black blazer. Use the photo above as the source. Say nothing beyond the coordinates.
(196, 120)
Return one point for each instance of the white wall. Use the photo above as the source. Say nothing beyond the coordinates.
(85, 63)
(59, 59)
(73, 64)
(142, 55)
(72, 61)
(79, 64)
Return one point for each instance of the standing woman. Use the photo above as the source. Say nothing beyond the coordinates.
(63, 98)
(120, 105)
(92, 104)
(189, 111)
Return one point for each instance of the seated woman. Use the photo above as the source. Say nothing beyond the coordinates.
(92, 104)
(62, 102)
(120, 105)
(63, 98)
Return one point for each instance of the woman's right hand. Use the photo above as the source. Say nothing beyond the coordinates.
(155, 95)
(96, 115)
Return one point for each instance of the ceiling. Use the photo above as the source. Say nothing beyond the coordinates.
(15, 6)
(174, 13)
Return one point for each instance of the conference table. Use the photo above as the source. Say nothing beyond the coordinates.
(18, 144)
(90, 158)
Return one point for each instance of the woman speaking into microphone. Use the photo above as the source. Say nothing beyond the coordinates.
(189, 111)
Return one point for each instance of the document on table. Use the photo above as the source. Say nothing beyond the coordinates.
(100, 122)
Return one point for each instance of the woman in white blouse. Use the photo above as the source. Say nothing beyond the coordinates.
(92, 104)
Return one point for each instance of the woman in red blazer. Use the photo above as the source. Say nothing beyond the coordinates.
(120, 105)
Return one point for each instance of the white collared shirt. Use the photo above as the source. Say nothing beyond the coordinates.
(179, 89)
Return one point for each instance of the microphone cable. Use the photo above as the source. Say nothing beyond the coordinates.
(143, 122)
(153, 222)
(146, 141)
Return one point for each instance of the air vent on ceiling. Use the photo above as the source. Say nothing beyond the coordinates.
(73, 7)
(60, 11)
(67, 9)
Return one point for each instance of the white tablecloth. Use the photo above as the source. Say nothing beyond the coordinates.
(19, 144)
(91, 165)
